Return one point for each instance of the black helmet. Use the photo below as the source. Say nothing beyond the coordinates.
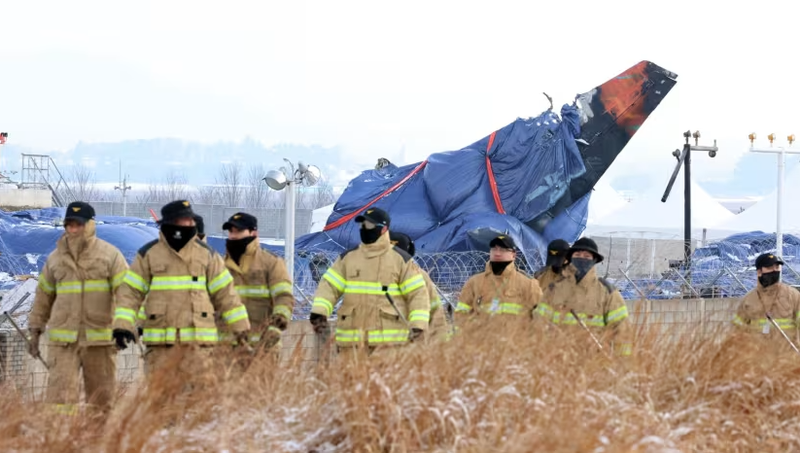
(586, 245)
(402, 241)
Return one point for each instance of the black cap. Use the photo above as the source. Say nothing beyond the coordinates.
(767, 260)
(241, 221)
(375, 215)
(556, 252)
(174, 210)
(503, 241)
(586, 245)
(79, 211)
(403, 242)
(198, 221)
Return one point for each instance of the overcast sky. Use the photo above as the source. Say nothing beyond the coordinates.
(433, 75)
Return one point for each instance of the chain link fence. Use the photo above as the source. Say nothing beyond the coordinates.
(655, 268)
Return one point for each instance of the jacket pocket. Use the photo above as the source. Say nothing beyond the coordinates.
(61, 310)
(99, 312)
(346, 317)
(203, 313)
(390, 320)
(155, 313)
(257, 311)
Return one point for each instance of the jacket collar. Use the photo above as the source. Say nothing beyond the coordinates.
(247, 257)
(89, 236)
(587, 279)
(185, 252)
(377, 248)
(509, 270)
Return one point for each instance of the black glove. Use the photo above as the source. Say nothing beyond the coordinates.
(416, 334)
(122, 336)
(279, 322)
(319, 322)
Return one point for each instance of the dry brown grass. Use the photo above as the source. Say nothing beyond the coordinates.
(494, 388)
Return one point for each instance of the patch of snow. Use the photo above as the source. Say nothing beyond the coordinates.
(31, 258)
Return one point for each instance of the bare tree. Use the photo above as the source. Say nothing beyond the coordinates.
(230, 181)
(321, 195)
(174, 187)
(141, 196)
(82, 182)
(274, 199)
(257, 191)
(207, 195)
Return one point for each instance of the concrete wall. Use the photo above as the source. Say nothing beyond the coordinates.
(301, 347)
(25, 198)
(640, 258)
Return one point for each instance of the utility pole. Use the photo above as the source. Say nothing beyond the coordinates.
(124, 188)
(684, 158)
(781, 152)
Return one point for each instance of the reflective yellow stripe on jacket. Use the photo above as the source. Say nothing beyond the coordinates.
(80, 287)
(758, 324)
(178, 283)
(369, 288)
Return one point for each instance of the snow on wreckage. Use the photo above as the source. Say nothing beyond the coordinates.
(531, 179)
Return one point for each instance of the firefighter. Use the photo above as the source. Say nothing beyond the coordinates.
(75, 300)
(140, 316)
(437, 328)
(376, 281)
(770, 296)
(201, 228)
(261, 280)
(501, 288)
(556, 265)
(596, 302)
(185, 283)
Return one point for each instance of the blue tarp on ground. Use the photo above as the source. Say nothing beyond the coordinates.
(28, 237)
(449, 205)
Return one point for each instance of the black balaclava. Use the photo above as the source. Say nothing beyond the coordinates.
(178, 236)
(499, 266)
(582, 266)
(769, 278)
(236, 247)
(558, 267)
(370, 236)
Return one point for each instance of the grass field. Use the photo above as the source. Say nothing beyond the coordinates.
(496, 387)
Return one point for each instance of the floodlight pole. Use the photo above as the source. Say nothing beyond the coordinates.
(684, 158)
(781, 152)
(289, 211)
(124, 188)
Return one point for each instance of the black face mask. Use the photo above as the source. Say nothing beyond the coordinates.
(499, 266)
(370, 236)
(582, 266)
(178, 236)
(769, 278)
(236, 247)
(557, 268)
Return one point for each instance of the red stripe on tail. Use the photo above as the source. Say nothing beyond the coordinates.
(492, 182)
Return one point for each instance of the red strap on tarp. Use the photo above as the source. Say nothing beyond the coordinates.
(348, 217)
(492, 182)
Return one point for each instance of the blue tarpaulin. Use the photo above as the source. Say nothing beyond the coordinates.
(447, 203)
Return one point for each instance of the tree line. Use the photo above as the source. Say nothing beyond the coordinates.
(234, 185)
